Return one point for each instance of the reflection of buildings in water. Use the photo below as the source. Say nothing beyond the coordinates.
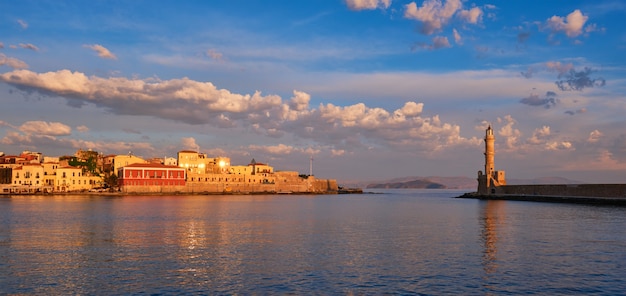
(491, 217)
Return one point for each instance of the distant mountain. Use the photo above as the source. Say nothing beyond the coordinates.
(452, 182)
(425, 184)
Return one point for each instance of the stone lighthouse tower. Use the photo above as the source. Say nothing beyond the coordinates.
(491, 179)
(489, 152)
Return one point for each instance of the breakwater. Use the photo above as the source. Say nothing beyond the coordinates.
(608, 194)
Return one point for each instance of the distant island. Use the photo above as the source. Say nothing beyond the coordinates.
(459, 182)
(421, 184)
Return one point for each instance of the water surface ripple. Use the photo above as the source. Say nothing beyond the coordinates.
(409, 242)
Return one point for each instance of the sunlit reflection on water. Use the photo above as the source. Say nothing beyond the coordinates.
(400, 242)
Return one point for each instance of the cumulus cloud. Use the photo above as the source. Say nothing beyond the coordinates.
(367, 4)
(337, 152)
(510, 134)
(558, 67)
(280, 149)
(471, 16)
(534, 100)
(198, 103)
(564, 145)
(12, 62)
(438, 42)
(82, 128)
(34, 132)
(579, 80)
(540, 135)
(102, 51)
(189, 144)
(23, 24)
(435, 14)
(45, 128)
(29, 46)
(177, 99)
(572, 25)
(594, 136)
(51, 135)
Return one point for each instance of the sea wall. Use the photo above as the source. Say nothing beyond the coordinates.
(577, 190)
(282, 185)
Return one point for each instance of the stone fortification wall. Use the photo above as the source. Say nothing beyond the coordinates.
(583, 190)
(279, 182)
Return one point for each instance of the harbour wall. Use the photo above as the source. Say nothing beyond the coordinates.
(599, 194)
(581, 190)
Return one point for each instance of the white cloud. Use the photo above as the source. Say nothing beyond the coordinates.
(339, 127)
(337, 152)
(471, 16)
(189, 143)
(23, 24)
(82, 128)
(433, 14)
(565, 145)
(572, 25)
(12, 62)
(594, 136)
(438, 42)
(367, 4)
(280, 149)
(510, 134)
(457, 37)
(45, 128)
(540, 135)
(562, 69)
(102, 51)
(29, 46)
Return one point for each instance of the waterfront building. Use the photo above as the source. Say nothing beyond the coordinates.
(170, 161)
(197, 163)
(69, 179)
(8, 161)
(113, 163)
(151, 177)
(28, 178)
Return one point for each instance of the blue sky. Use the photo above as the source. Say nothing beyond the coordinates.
(371, 89)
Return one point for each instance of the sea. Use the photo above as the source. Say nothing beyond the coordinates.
(382, 242)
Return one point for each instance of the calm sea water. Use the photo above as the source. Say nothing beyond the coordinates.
(395, 242)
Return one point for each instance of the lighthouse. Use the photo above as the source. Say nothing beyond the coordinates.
(489, 154)
(491, 178)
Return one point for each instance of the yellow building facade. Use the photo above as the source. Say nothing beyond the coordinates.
(68, 179)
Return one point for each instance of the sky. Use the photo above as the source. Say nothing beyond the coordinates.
(367, 89)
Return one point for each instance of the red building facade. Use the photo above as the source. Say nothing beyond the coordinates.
(150, 175)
